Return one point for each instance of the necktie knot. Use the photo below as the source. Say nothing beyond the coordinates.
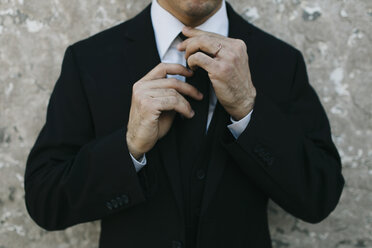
(182, 36)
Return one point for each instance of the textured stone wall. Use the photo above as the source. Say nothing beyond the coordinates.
(335, 37)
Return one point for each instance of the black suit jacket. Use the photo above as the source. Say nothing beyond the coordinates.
(79, 169)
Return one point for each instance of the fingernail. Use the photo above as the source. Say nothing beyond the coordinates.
(186, 28)
(201, 95)
(192, 113)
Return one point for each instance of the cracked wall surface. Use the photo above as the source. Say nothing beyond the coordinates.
(335, 37)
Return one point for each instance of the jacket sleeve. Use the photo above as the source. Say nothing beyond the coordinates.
(71, 176)
(288, 151)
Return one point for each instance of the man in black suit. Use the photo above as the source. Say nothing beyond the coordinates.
(168, 163)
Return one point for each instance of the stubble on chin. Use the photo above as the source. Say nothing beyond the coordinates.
(200, 8)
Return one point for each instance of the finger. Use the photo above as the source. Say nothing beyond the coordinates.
(177, 103)
(207, 44)
(202, 60)
(178, 85)
(169, 92)
(192, 32)
(161, 71)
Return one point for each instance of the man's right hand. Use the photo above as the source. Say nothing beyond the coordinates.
(155, 101)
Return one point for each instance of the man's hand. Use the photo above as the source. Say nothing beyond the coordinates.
(226, 61)
(155, 100)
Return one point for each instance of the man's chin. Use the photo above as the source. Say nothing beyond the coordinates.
(200, 8)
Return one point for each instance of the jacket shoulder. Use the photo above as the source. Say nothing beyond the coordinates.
(103, 41)
(270, 44)
(255, 37)
(113, 39)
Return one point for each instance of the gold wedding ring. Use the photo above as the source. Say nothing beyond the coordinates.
(219, 47)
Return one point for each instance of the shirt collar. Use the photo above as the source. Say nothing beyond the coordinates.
(167, 27)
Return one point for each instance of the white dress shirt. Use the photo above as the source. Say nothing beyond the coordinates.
(166, 29)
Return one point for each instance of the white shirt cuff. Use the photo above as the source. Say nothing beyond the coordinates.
(139, 164)
(237, 127)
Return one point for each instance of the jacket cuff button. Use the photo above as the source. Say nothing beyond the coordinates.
(109, 205)
(176, 244)
(114, 203)
(125, 199)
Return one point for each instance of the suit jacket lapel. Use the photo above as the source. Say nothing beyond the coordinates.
(142, 56)
(140, 53)
(240, 29)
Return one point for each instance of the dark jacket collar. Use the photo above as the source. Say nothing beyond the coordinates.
(140, 27)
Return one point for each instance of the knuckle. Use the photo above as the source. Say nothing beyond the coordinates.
(173, 92)
(199, 55)
(156, 107)
(137, 95)
(164, 102)
(241, 45)
(190, 59)
(206, 61)
(173, 82)
(136, 86)
(188, 106)
(185, 103)
(163, 67)
(173, 100)
(194, 58)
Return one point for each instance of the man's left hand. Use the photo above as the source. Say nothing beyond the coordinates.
(226, 61)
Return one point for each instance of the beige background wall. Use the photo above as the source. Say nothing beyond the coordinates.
(335, 37)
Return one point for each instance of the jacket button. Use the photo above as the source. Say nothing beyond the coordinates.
(120, 201)
(266, 156)
(176, 244)
(200, 174)
(258, 149)
(270, 161)
(109, 205)
(125, 199)
(114, 203)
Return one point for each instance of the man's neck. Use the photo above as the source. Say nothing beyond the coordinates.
(187, 20)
